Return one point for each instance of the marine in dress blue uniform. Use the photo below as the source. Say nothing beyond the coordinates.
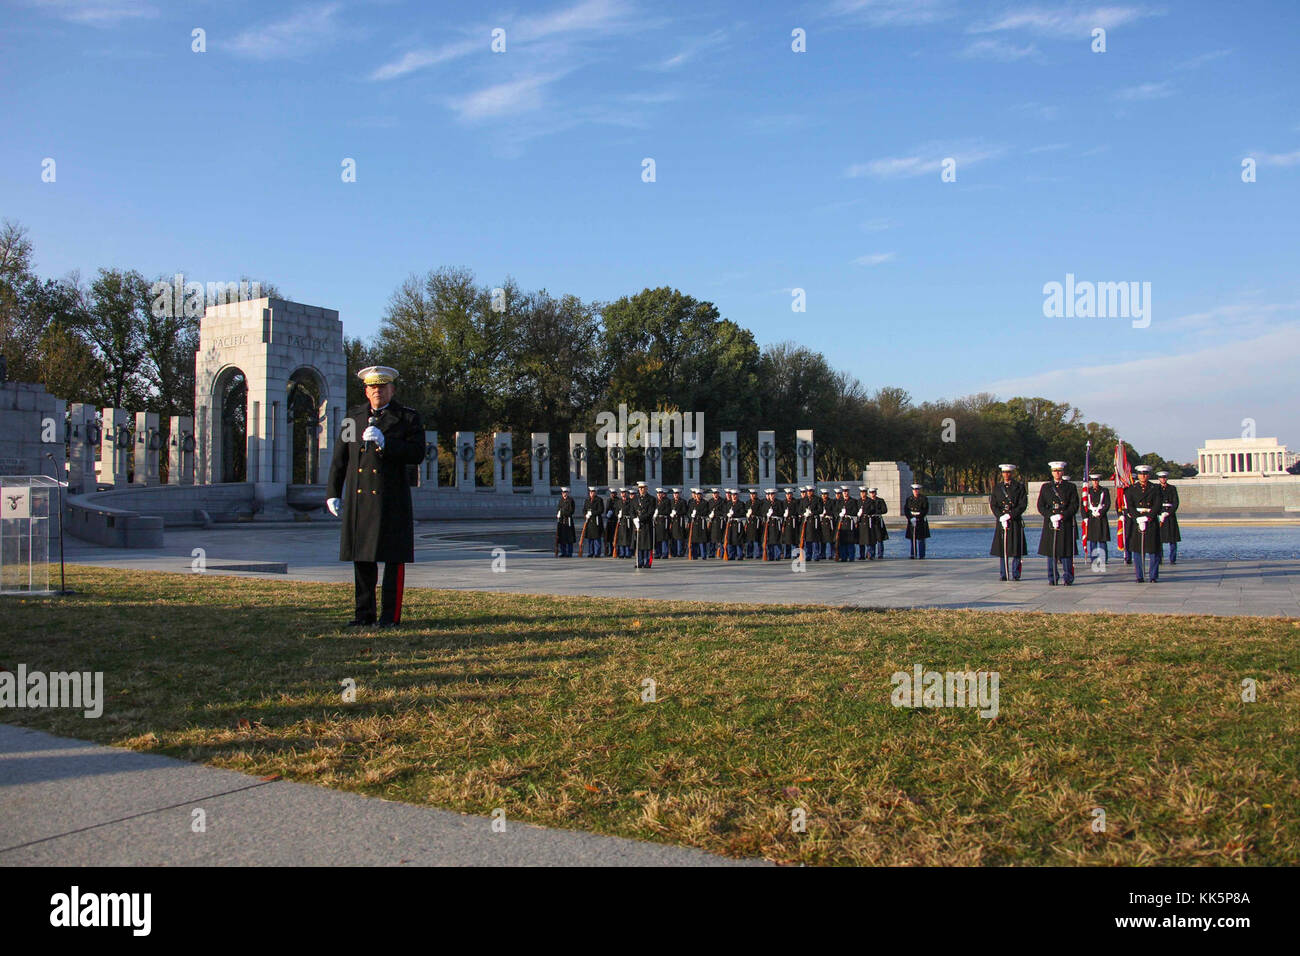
(1058, 503)
(1169, 533)
(1143, 504)
(1008, 503)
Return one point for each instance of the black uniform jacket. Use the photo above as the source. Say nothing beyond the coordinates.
(1099, 526)
(1148, 504)
(1060, 500)
(377, 520)
(1169, 507)
(1009, 498)
(917, 506)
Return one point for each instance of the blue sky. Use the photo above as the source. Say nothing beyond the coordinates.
(775, 170)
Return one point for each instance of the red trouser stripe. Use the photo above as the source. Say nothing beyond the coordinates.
(401, 583)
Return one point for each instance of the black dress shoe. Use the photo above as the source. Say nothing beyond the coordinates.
(385, 625)
(357, 622)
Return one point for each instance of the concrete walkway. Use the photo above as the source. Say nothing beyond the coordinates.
(461, 555)
(69, 803)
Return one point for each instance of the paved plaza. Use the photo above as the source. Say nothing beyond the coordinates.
(460, 555)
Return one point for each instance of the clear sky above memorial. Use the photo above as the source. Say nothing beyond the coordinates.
(774, 170)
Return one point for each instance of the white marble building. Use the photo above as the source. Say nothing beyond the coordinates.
(1243, 458)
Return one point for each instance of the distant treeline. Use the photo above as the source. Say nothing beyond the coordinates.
(478, 358)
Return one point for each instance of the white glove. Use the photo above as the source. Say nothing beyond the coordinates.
(1142, 522)
(911, 520)
(1006, 520)
(587, 515)
(557, 515)
(636, 523)
(672, 514)
(1096, 512)
(333, 505)
(373, 434)
(1056, 521)
(1163, 517)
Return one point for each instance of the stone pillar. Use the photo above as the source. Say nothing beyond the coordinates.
(578, 464)
(893, 479)
(180, 451)
(615, 459)
(148, 448)
(805, 470)
(729, 459)
(540, 462)
(654, 460)
(503, 462)
(766, 460)
(465, 460)
(31, 427)
(85, 438)
(692, 451)
(429, 467)
(116, 448)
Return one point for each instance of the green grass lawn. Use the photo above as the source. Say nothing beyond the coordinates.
(534, 704)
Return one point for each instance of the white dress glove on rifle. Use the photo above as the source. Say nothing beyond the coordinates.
(1006, 520)
(1142, 522)
(636, 523)
(1056, 521)
(373, 434)
(333, 505)
(1163, 517)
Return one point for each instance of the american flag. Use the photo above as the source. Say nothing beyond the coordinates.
(1087, 498)
(1123, 478)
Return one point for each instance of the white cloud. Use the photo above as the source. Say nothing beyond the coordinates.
(306, 29)
(693, 49)
(993, 48)
(1233, 379)
(1145, 91)
(503, 99)
(924, 160)
(588, 16)
(1048, 148)
(414, 60)
(882, 13)
(1062, 22)
(1276, 159)
(1199, 61)
(97, 13)
(873, 259)
(876, 225)
(1041, 111)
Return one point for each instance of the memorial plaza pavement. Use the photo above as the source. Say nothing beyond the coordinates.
(460, 555)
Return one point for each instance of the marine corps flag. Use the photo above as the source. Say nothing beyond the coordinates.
(1123, 478)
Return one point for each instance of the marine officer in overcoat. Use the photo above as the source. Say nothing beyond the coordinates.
(369, 489)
